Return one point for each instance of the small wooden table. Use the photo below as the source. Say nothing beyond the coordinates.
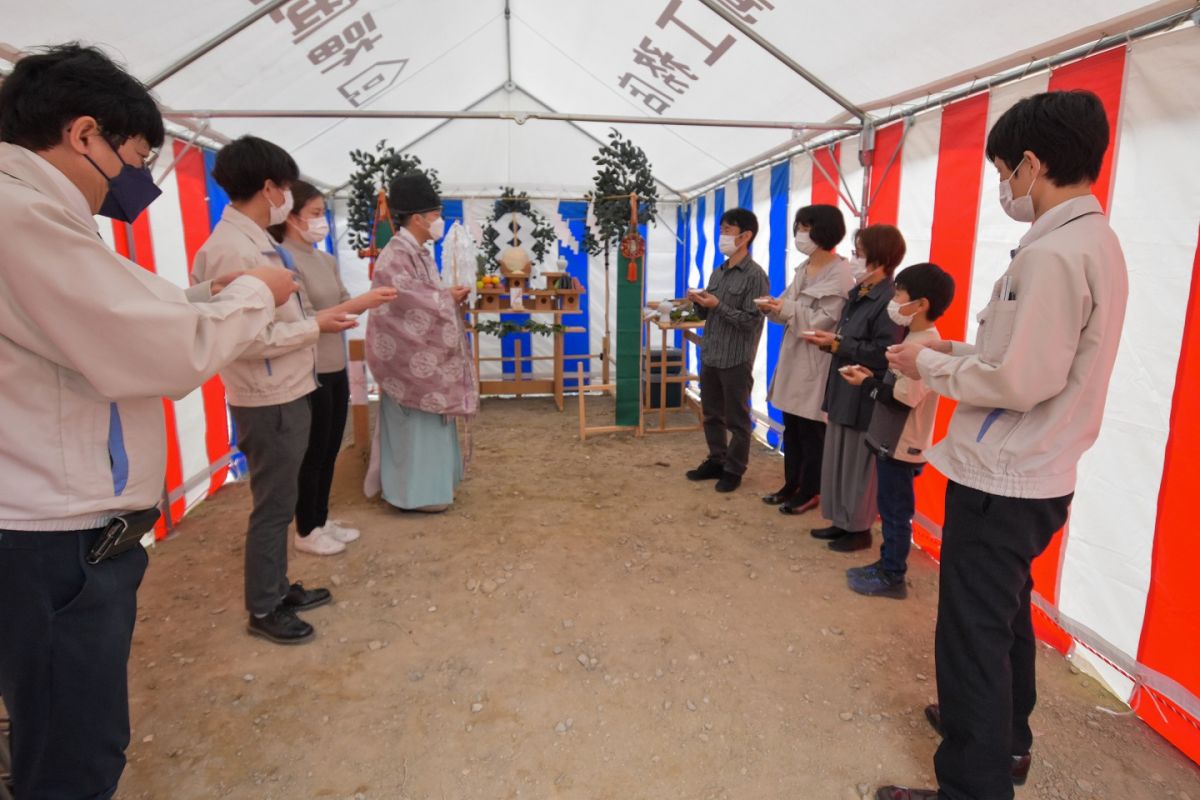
(690, 332)
(518, 384)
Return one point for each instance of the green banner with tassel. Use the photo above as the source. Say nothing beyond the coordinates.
(631, 275)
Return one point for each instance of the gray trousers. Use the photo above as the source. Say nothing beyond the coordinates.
(273, 439)
(848, 480)
(725, 404)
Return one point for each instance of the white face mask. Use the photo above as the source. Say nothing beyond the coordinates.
(437, 229)
(727, 245)
(1019, 208)
(314, 231)
(279, 214)
(903, 320)
(858, 267)
(805, 244)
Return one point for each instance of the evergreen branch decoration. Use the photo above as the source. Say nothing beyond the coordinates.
(505, 328)
(374, 171)
(511, 200)
(622, 169)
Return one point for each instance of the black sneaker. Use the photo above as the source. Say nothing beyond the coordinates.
(827, 534)
(854, 540)
(300, 599)
(281, 626)
(708, 470)
(880, 583)
(728, 482)
(866, 569)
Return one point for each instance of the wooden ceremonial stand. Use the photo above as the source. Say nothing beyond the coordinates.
(519, 384)
(687, 404)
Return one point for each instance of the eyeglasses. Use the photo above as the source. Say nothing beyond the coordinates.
(147, 160)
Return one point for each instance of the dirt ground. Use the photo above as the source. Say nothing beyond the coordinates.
(585, 623)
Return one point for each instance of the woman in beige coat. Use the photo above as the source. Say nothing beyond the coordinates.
(813, 301)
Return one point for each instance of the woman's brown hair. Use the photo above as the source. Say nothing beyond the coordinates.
(881, 245)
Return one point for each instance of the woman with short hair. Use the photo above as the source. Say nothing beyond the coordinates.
(812, 302)
(862, 338)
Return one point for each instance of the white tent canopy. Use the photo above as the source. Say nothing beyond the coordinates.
(565, 56)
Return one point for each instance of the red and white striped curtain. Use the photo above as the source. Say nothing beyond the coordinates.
(1116, 589)
(164, 240)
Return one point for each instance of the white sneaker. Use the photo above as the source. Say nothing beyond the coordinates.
(340, 532)
(320, 543)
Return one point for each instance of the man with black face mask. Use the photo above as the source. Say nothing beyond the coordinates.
(89, 345)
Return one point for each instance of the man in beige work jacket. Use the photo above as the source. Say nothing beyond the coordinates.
(89, 345)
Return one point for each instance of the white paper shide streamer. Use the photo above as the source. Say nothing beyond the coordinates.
(458, 259)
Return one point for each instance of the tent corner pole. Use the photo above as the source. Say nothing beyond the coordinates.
(724, 13)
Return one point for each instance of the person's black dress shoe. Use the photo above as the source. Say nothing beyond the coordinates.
(728, 482)
(708, 470)
(796, 507)
(1020, 763)
(904, 793)
(827, 534)
(854, 540)
(300, 599)
(281, 626)
(781, 496)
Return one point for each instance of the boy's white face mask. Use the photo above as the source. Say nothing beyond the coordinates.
(1019, 208)
(901, 319)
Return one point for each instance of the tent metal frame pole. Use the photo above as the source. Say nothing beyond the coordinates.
(214, 42)
(787, 150)
(594, 138)
(783, 58)
(1017, 73)
(1151, 15)
(191, 143)
(519, 117)
(508, 45)
(435, 129)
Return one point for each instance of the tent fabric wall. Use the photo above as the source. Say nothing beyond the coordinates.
(1114, 589)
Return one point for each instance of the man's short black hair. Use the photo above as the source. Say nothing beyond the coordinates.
(1067, 131)
(245, 164)
(743, 219)
(47, 91)
(826, 225)
(928, 282)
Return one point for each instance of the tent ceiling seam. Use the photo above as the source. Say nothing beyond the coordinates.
(613, 91)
